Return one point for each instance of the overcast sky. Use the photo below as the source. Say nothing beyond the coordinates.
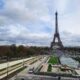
(32, 22)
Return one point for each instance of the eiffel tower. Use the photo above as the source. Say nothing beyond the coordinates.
(57, 44)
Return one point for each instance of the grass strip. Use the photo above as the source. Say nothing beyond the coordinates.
(15, 64)
(53, 60)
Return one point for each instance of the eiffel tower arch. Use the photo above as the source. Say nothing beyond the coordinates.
(57, 44)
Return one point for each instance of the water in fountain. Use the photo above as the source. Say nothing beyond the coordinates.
(69, 61)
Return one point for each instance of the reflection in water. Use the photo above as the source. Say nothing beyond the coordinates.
(69, 62)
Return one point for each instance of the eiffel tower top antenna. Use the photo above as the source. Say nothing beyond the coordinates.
(56, 22)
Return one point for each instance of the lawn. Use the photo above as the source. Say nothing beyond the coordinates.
(53, 60)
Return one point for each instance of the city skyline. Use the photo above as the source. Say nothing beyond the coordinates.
(30, 22)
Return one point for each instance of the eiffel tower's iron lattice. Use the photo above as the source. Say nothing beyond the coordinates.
(56, 34)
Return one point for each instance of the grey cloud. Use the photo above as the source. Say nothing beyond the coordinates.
(31, 22)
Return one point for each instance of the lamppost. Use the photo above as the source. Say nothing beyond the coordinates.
(23, 62)
(7, 66)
